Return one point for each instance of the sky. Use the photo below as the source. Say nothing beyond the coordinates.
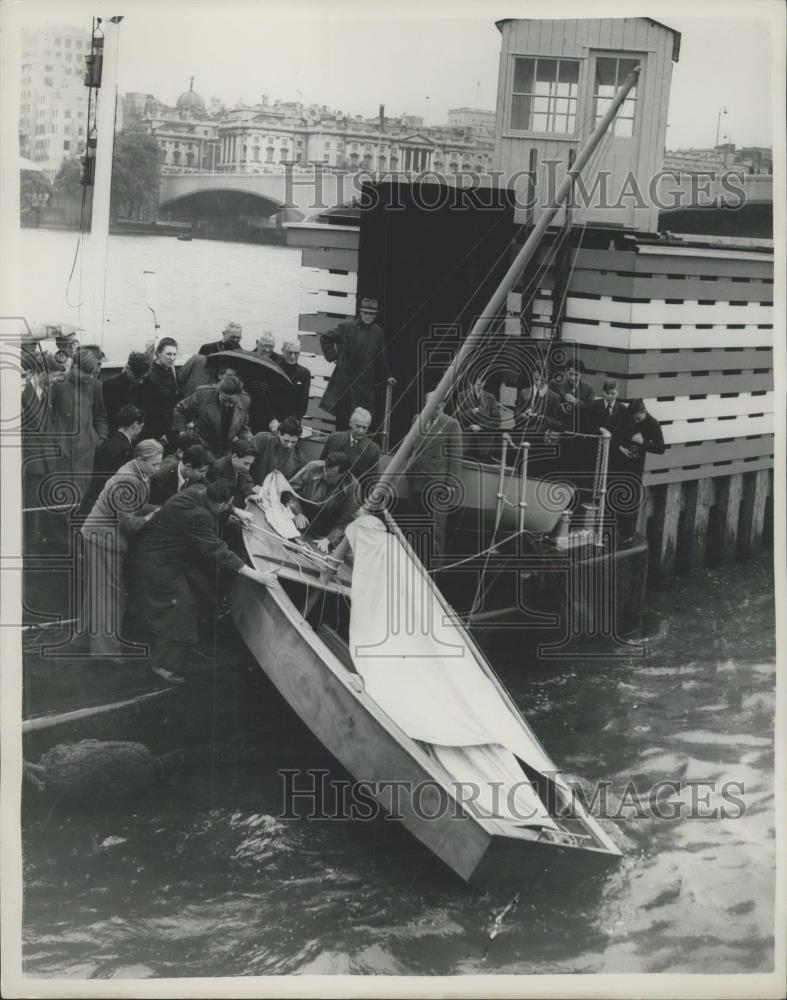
(421, 60)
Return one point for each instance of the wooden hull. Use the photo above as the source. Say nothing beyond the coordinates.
(371, 747)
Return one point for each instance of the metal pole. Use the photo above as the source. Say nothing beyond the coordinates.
(602, 501)
(481, 326)
(523, 487)
(501, 482)
(387, 417)
(105, 129)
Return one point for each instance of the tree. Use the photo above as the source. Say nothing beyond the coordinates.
(67, 180)
(34, 190)
(135, 173)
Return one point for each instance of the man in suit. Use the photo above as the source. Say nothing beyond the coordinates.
(122, 509)
(637, 434)
(36, 401)
(220, 414)
(573, 393)
(328, 497)
(176, 567)
(433, 475)
(230, 340)
(125, 387)
(538, 408)
(278, 451)
(359, 378)
(478, 413)
(295, 401)
(363, 453)
(192, 468)
(115, 451)
(606, 412)
(78, 423)
(235, 468)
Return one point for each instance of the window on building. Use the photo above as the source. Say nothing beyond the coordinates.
(66, 145)
(67, 112)
(269, 154)
(256, 156)
(544, 98)
(610, 74)
(68, 57)
(48, 81)
(68, 43)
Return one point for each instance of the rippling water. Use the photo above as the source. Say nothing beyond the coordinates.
(202, 879)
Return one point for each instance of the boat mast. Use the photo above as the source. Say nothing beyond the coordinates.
(105, 134)
(481, 326)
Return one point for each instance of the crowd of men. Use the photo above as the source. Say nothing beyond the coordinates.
(159, 462)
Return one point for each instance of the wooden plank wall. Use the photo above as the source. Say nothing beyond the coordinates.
(709, 494)
(329, 270)
(690, 331)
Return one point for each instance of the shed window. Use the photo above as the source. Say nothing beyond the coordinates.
(544, 98)
(610, 74)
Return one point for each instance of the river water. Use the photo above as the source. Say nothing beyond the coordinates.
(203, 878)
(202, 285)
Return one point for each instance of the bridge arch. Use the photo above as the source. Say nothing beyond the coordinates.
(222, 202)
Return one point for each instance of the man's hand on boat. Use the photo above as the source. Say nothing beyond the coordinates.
(242, 517)
(267, 579)
(302, 522)
(321, 544)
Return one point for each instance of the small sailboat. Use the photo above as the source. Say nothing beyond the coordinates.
(378, 666)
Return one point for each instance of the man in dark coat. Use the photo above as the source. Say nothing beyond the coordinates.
(219, 413)
(230, 340)
(278, 450)
(573, 393)
(78, 423)
(359, 378)
(363, 453)
(191, 469)
(125, 388)
(114, 452)
(176, 567)
(478, 414)
(637, 434)
(295, 400)
(606, 412)
(235, 468)
(328, 496)
(36, 444)
(538, 409)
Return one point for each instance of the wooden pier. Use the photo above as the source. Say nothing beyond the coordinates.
(685, 324)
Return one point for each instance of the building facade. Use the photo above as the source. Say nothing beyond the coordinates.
(473, 118)
(258, 141)
(53, 101)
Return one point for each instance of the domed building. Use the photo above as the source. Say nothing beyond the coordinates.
(189, 102)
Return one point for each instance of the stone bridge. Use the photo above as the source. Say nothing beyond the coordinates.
(301, 194)
(298, 195)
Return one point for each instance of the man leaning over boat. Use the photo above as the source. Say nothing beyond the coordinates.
(175, 567)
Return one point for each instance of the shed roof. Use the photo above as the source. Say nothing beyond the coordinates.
(661, 24)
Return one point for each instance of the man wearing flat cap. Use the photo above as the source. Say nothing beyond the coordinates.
(361, 373)
(230, 340)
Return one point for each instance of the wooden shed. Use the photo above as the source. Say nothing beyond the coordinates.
(556, 79)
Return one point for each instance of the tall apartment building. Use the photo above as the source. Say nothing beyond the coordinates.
(53, 102)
